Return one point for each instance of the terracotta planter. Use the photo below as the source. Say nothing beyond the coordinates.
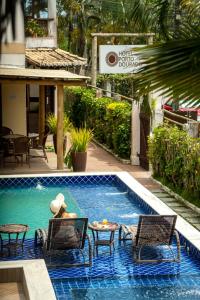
(64, 144)
(79, 160)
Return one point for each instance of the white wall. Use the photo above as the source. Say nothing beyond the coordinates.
(41, 42)
(12, 60)
(14, 107)
(157, 115)
(52, 25)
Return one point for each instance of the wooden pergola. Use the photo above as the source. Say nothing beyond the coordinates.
(42, 77)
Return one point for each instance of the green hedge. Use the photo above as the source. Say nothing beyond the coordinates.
(175, 157)
(110, 120)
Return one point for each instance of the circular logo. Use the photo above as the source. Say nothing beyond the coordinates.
(112, 59)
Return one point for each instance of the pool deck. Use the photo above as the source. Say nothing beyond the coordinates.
(99, 160)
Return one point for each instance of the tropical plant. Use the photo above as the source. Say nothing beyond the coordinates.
(51, 122)
(173, 67)
(80, 139)
(75, 20)
(174, 156)
(33, 28)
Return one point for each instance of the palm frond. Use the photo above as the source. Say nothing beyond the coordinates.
(172, 68)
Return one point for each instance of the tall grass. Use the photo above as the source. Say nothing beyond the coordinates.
(80, 139)
(51, 122)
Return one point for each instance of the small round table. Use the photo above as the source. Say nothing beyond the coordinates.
(12, 136)
(98, 227)
(10, 233)
(33, 139)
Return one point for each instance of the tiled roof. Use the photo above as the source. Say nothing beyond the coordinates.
(53, 58)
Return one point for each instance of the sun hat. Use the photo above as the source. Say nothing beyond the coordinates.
(57, 203)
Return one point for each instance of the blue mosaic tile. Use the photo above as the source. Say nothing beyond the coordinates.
(118, 270)
(56, 180)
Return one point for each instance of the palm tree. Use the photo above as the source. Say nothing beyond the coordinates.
(77, 16)
(81, 17)
(173, 66)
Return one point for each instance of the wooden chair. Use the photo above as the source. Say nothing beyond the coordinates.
(40, 146)
(20, 147)
(5, 130)
(65, 235)
(152, 230)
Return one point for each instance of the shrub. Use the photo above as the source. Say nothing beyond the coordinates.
(175, 157)
(110, 120)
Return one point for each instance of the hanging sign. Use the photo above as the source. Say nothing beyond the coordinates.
(116, 59)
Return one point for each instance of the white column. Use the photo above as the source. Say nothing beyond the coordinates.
(135, 134)
(108, 87)
(52, 26)
(157, 114)
(13, 46)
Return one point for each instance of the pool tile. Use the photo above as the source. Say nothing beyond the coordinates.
(119, 269)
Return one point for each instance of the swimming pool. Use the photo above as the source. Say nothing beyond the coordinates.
(115, 276)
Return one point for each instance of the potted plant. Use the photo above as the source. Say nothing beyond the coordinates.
(51, 122)
(77, 154)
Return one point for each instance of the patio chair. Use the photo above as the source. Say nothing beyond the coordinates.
(40, 146)
(20, 147)
(5, 130)
(64, 235)
(152, 230)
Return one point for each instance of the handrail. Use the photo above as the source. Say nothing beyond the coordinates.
(179, 116)
(117, 94)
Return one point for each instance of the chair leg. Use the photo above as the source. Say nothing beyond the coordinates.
(89, 249)
(36, 239)
(28, 160)
(45, 154)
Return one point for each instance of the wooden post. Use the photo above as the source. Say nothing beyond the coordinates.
(41, 112)
(60, 115)
(94, 60)
(150, 42)
(135, 133)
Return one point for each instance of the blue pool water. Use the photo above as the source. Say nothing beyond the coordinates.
(114, 276)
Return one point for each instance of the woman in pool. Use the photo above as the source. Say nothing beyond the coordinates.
(65, 232)
(58, 208)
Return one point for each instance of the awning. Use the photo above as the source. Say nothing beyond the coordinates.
(41, 76)
(53, 58)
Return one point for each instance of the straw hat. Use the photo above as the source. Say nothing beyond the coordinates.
(57, 203)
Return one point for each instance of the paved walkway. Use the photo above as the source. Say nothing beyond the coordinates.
(99, 160)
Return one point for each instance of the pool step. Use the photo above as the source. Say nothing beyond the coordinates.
(179, 207)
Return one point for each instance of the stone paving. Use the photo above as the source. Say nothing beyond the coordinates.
(99, 160)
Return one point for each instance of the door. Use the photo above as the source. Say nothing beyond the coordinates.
(144, 133)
